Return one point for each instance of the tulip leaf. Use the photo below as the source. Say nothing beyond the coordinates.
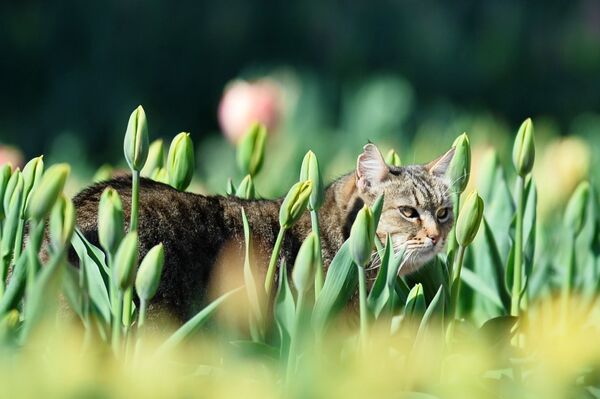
(436, 306)
(285, 309)
(480, 286)
(16, 286)
(340, 283)
(193, 325)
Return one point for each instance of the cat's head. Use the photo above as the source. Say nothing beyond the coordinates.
(417, 209)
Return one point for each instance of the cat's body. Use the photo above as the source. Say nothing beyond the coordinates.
(201, 233)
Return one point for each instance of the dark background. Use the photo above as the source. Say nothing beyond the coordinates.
(82, 66)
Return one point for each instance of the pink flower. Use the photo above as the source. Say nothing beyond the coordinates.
(244, 103)
(12, 155)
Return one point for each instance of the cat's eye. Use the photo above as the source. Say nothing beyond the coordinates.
(409, 212)
(443, 214)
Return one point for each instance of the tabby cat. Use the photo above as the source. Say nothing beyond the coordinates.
(202, 233)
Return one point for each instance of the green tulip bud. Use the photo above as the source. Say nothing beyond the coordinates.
(246, 188)
(148, 276)
(460, 166)
(392, 158)
(62, 222)
(306, 264)
(5, 172)
(251, 149)
(13, 201)
(125, 263)
(180, 161)
(469, 219)
(310, 171)
(135, 145)
(47, 192)
(160, 175)
(32, 173)
(294, 204)
(110, 220)
(230, 189)
(156, 158)
(362, 236)
(10, 188)
(104, 172)
(575, 214)
(524, 149)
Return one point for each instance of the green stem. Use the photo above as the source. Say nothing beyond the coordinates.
(570, 278)
(273, 262)
(116, 327)
(19, 240)
(456, 282)
(518, 259)
(452, 243)
(135, 200)
(362, 292)
(319, 274)
(142, 313)
(133, 226)
(127, 308)
(33, 249)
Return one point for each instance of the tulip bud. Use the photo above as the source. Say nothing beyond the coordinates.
(135, 145)
(156, 158)
(180, 161)
(469, 219)
(294, 204)
(12, 183)
(13, 201)
(230, 189)
(310, 171)
(392, 158)
(524, 149)
(251, 149)
(125, 262)
(306, 264)
(160, 175)
(32, 173)
(62, 222)
(575, 214)
(460, 166)
(110, 220)
(47, 192)
(148, 276)
(5, 172)
(362, 236)
(246, 188)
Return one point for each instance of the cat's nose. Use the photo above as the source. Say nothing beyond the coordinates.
(433, 237)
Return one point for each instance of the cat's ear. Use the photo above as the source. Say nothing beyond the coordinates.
(439, 166)
(370, 168)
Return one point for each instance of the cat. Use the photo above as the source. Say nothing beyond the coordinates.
(203, 235)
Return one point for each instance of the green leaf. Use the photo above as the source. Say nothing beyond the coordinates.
(44, 295)
(495, 261)
(340, 283)
(16, 286)
(252, 290)
(91, 264)
(193, 325)
(481, 287)
(415, 304)
(71, 289)
(436, 306)
(285, 310)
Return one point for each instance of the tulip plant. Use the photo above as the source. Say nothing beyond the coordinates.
(498, 268)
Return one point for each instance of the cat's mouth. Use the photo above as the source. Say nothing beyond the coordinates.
(418, 254)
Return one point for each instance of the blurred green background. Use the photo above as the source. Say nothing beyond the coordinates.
(405, 74)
